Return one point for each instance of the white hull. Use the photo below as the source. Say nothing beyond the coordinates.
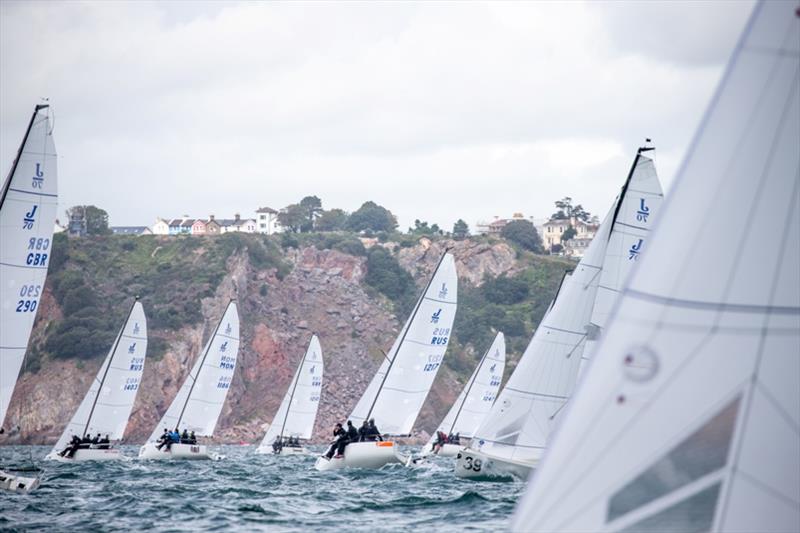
(363, 455)
(448, 450)
(286, 450)
(16, 483)
(176, 451)
(478, 466)
(90, 454)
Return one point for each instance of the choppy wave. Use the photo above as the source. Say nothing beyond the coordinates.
(250, 492)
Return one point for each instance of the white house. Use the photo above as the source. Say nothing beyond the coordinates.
(267, 221)
(161, 227)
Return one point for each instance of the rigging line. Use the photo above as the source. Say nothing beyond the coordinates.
(405, 332)
(7, 183)
(577, 345)
(200, 368)
(469, 387)
(108, 367)
(294, 388)
(625, 189)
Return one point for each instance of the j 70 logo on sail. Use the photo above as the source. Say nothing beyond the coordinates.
(635, 251)
(435, 317)
(228, 329)
(29, 218)
(132, 348)
(643, 212)
(443, 291)
(38, 178)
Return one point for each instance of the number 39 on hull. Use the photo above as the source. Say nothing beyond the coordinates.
(474, 465)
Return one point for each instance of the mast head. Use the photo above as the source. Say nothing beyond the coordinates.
(646, 147)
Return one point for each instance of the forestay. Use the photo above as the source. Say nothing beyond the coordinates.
(519, 424)
(298, 410)
(641, 199)
(688, 419)
(395, 395)
(199, 401)
(28, 204)
(478, 395)
(107, 405)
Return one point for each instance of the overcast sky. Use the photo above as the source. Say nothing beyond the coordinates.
(438, 111)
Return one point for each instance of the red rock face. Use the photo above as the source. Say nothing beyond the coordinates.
(323, 294)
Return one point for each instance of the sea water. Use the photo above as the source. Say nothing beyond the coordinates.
(249, 492)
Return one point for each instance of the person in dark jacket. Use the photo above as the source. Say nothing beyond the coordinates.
(192, 438)
(162, 441)
(352, 432)
(277, 445)
(339, 435)
(185, 436)
(363, 431)
(87, 439)
(374, 433)
(72, 447)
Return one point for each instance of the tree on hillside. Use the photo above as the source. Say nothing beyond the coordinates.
(372, 217)
(94, 221)
(567, 211)
(523, 233)
(332, 220)
(460, 229)
(293, 217)
(422, 228)
(569, 234)
(312, 206)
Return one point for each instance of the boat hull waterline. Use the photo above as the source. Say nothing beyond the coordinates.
(90, 454)
(176, 451)
(363, 455)
(471, 464)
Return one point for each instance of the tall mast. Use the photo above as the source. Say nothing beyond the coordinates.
(405, 332)
(7, 183)
(202, 362)
(624, 191)
(108, 367)
(294, 387)
(469, 387)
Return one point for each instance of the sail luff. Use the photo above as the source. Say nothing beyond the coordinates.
(295, 380)
(28, 204)
(405, 332)
(108, 366)
(200, 368)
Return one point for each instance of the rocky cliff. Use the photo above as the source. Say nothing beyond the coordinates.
(283, 299)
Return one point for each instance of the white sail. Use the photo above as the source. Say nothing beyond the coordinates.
(28, 204)
(200, 399)
(688, 418)
(641, 200)
(519, 424)
(478, 395)
(107, 405)
(298, 410)
(397, 392)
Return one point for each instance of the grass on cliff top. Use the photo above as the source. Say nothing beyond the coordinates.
(94, 281)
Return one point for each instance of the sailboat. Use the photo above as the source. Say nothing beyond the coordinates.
(28, 205)
(199, 402)
(395, 395)
(474, 402)
(688, 417)
(510, 443)
(107, 405)
(298, 410)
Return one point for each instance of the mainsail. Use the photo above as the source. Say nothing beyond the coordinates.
(107, 405)
(519, 424)
(478, 395)
(635, 214)
(395, 395)
(298, 410)
(28, 204)
(201, 397)
(688, 418)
